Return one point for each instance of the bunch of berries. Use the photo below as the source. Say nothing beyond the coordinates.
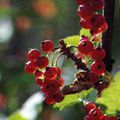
(47, 77)
(94, 113)
(90, 19)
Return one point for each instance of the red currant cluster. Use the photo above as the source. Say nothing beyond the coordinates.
(89, 18)
(47, 77)
(94, 113)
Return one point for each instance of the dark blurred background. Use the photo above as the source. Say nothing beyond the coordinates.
(23, 25)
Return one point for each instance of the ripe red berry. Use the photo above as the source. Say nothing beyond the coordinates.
(33, 54)
(38, 74)
(95, 113)
(58, 97)
(85, 24)
(85, 47)
(98, 68)
(85, 12)
(88, 107)
(42, 62)
(98, 24)
(50, 73)
(98, 54)
(97, 4)
(49, 100)
(39, 82)
(30, 67)
(83, 2)
(47, 46)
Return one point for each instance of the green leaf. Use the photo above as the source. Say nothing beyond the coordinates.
(111, 96)
(85, 32)
(74, 98)
(72, 40)
(16, 116)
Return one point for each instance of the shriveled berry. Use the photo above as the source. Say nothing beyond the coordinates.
(88, 107)
(98, 68)
(85, 12)
(58, 97)
(50, 73)
(49, 100)
(93, 77)
(47, 46)
(30, 67)
(42, 62)
(85, 47)
(33, 54)
(100, 86)
(98, 54)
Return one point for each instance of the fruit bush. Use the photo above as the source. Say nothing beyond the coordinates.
(91, 54)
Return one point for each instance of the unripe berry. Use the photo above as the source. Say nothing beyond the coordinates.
(42, 62)
(98, 54)
(50, 73)
(88, 107)
(30, 67)
(33, 54)
(85, 12)
(85, 47)
(47, 46)
(98, 68)
(58, 97)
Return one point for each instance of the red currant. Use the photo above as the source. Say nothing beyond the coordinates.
(88, 107)
(42, 62)
(30, 67)
(38, 74)
(47, 46)
(98, 54)
(83, 2)
(85, 24)
(34, 54)
(85, 47)
(49, 100)
(85, 12)
(97, 4)
(98, 68)
(95, 113)
(39, 82)
(50, 73)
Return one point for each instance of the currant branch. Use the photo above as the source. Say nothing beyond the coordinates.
(66, 51)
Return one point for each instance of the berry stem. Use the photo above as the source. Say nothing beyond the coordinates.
(57, 58)
(108, 35)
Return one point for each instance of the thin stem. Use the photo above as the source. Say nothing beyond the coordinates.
(57, 59)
